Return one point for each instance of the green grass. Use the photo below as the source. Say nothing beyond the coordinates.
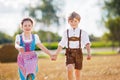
(99, 44)
(43, 55)
(104, 53)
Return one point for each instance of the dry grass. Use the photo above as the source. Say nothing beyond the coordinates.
(98, 68)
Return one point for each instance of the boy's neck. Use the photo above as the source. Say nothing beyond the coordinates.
(74, 28)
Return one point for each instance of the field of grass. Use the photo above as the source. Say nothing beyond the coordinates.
(102, 67)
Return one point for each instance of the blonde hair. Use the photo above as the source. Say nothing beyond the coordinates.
(74, 15)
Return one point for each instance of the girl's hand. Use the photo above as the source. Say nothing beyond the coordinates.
(88, 57)
(54, 57)
(21, 50)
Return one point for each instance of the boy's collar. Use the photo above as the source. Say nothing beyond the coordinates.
(74, 28)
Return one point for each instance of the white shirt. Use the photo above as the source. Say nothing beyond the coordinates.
(74, 33)
(17, 40)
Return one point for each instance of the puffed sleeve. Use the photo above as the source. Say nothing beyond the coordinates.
(64, 40)
(84, 39)
(17, 41)
(17, 38)
(37, 39)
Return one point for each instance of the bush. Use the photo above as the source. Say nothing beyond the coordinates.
(99, 44)
(52, 45)
(8, 53)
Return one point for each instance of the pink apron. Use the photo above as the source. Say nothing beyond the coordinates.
(27, 62)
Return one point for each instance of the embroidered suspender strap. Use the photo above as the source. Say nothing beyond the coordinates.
(68, 37)
(80, 39)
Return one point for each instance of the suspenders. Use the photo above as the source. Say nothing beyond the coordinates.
(74, 38)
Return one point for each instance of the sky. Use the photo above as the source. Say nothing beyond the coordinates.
(11, 14)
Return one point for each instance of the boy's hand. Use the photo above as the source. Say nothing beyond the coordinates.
(88, 57)
(54, 57)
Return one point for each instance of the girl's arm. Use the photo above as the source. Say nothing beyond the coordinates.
(18, 47)
(42, 47)
(17, 44)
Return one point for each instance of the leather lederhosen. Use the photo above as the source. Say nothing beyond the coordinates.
(74, 55)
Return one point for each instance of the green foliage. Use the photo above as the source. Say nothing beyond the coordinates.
(104, 53)
(93, 38)
(95, 44)
(52, 45)
(43, 36)
(4, 38)
(19, 31)
(112, 19)
(114, 27)
(112, 7)
(99, 44)
(46, 11)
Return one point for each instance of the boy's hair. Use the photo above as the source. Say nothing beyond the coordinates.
(26, 19)
(74, 15)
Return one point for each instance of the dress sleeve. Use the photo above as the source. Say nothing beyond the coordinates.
(17, 41)
(37, 39)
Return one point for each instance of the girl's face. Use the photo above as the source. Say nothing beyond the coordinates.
(27, 26)
(74, 23)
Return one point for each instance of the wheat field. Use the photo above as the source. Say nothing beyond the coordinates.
(105, 67)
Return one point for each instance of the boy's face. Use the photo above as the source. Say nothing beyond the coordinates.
(74, 23)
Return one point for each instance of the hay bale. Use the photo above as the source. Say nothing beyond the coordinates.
(8, 53)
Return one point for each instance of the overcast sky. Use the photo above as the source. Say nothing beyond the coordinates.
(11, 15)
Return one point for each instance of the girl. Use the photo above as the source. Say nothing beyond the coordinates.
(25, 44)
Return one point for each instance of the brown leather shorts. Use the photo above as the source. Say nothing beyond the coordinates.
(74, 56)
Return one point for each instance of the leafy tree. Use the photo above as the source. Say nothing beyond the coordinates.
(47, 12)
(43, 36)
(111, 10)
(93, 38)
(114, 27)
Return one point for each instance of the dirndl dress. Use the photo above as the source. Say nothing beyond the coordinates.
(27, 61)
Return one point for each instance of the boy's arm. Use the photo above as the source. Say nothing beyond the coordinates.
(42, 47)
(54, 57)
(88, 51)
(58, 50)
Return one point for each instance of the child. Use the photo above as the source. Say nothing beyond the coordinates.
(25, 44)
(74, 39)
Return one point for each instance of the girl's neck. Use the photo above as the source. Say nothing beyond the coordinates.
(27, 34)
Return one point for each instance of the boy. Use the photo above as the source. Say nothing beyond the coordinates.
(74, 39)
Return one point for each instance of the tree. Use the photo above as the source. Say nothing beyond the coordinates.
(111, 10)
(47, 12)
